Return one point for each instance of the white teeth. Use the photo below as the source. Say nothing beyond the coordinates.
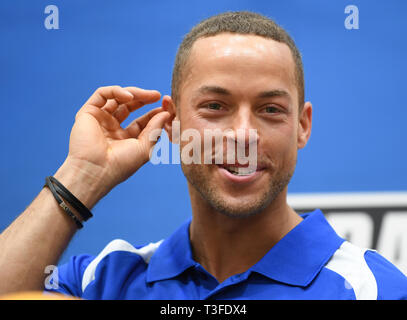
(240, 171)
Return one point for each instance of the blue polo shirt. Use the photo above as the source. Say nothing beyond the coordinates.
(310, 262)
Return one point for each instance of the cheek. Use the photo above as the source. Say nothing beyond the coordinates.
(279, 145)
(192, 145)
(193, 129)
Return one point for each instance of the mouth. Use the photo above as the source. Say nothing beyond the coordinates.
(240, 174)
(240, 171)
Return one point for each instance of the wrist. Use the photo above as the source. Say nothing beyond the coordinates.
(84, 180)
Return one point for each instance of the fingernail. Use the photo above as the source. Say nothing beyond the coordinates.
(129, 94)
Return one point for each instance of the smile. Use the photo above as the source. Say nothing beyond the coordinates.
(239, 174)
(240, 171)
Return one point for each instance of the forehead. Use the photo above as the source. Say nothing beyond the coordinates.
(226, 44)
(244, 61)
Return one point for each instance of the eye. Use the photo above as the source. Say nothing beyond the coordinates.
(214, 106)
(271, 109)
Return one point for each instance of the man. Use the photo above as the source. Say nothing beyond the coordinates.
(234, 71)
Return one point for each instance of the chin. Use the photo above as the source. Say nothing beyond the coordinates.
(242, 208)
(236, 203)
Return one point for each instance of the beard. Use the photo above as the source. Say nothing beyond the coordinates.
(199, 178)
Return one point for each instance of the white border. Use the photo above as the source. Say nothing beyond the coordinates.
(347, 200)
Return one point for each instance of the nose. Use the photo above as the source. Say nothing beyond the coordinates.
(242, 138)
(244, 131)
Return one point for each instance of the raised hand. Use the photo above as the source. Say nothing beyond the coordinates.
(98, 140)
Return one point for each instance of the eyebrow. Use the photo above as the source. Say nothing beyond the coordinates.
(213, 89)
(223, 91)
(273, 93)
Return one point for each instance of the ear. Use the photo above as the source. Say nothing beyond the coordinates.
(304, 125)
(169, 106)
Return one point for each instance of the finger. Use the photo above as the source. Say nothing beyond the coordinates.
(110, 106)
(141, 97)
(156, 123)
(121, 113)
(137, 125)
(102, 94)
(105, 119)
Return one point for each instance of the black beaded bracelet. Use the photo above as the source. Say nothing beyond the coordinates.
(61, 203)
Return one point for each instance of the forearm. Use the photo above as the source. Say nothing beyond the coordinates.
(39, 236)
(101, 155)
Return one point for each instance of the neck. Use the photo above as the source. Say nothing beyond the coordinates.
(226, 246)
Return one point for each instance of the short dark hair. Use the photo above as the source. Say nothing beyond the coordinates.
(240, 22)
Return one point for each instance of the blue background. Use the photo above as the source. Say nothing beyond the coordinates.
(356, 80)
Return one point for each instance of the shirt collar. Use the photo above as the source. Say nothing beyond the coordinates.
(299, 256)
(173, 256)
(296, 259)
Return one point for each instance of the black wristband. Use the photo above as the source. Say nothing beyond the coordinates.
(71, 199)
(61, 202)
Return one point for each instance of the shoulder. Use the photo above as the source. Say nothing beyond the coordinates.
(368, 273)
(117, 260)
(392, 283)
(114, 255)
